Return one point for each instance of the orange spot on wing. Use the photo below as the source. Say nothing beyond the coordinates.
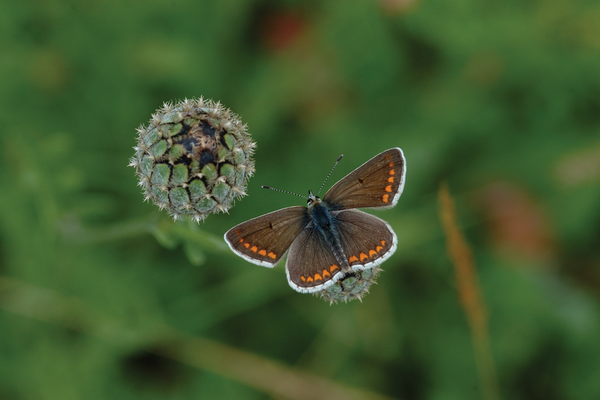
(263, 252)
(388, 188)
(241, 240)
(326, 274)
(385, 198)
(392, 172)
(246, 245)
(254, 249)
(383, 242)
(391, 179)
(372, 253)
(272, 255)
(391, 164)
(303, 279)
(333, 268)
(378, 248)
(352, 259)
(309, 279)
(318, 277)
(363, 257)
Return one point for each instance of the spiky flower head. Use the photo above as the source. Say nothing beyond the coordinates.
(194, 158)
(351, 287)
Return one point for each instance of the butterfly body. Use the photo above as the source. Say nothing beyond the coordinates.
(325, 222)
(330, 238)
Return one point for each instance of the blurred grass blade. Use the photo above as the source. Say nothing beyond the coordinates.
(469, 293)
(241, 366)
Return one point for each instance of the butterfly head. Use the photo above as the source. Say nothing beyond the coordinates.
(312, 199)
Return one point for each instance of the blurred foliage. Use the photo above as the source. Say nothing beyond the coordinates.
(103, 296)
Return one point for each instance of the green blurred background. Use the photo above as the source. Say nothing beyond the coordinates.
(102, 296)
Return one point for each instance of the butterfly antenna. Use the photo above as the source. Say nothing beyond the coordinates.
(330, 172)
(283, 191)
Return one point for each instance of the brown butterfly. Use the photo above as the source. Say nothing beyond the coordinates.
(329, 238)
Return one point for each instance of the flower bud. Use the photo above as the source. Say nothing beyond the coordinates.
(352, 286)
(194, 158)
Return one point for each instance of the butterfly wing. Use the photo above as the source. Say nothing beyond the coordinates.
(378, 183)
(366, 240)
(265, 239)
(311, 265)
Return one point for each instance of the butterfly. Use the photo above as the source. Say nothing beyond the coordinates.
(330, 238)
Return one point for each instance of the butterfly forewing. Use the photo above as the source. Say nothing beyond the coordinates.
(265, 239)
(367, 241)
(311, 265)
(377, 183)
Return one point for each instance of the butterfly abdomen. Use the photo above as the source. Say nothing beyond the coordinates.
(324, 221)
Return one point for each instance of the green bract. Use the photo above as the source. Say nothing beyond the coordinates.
(194, 158)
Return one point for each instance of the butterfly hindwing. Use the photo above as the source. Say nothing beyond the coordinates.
(265, 239)
(366, 240)
(311, 265)
(377, 183)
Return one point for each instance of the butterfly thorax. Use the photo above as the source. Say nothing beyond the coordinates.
(325, 222)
